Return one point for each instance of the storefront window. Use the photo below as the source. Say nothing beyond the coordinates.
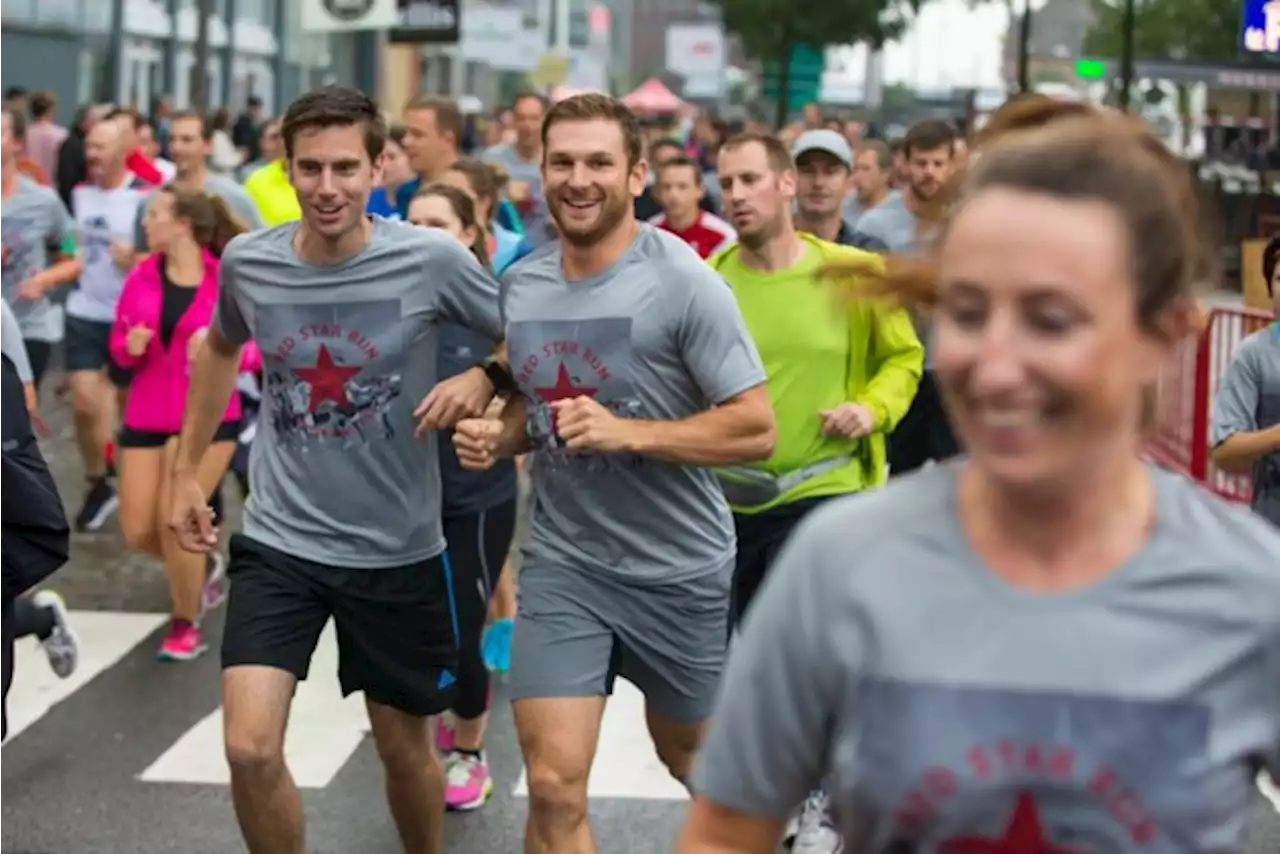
(97, 16)
(65, 13)
(19, 10)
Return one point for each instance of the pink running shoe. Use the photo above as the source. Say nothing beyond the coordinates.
(467, 784)
(183, 643)
(444, 737)
(215, 584)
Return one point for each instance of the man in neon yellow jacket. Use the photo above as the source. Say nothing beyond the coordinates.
(840, 374)
(271, 191)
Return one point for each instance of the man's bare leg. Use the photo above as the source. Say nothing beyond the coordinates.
(414, 777)
(255, 704)
(558, 738)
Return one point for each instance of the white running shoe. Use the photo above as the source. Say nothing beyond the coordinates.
(62, 646)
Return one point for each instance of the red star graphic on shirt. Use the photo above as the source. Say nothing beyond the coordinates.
(564, 388)
(328, 381)
(1022, 835)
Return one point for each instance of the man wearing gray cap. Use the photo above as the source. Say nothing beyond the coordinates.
(824, 171)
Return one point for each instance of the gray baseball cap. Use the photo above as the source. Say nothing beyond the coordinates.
(823, 140)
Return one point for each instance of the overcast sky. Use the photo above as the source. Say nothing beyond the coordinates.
(949, 45)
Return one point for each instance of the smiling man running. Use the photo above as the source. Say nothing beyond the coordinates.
(635, 371)
(344, 518)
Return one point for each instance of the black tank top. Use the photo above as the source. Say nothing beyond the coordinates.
(174, 303)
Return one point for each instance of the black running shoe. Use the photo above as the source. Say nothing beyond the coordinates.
(99, 503)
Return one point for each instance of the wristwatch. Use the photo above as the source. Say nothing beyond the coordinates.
(499, 375)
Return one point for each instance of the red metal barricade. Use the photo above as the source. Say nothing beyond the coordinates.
(1184, 400)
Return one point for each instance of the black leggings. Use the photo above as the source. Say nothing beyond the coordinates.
(478, 545)
(31, 619)
(38, 353)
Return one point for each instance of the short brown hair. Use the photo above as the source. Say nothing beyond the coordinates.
(685, 162)
(129, 113)
(335, 106)
(43, 104)
(775, 149)
(528, 96)
(884, 157)
(591, 106)
(206, 128)
(929, 135)
(447, 115)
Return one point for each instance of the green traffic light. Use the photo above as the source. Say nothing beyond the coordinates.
(1088, 68)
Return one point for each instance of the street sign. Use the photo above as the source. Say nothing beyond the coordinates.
(804, 80)
(426, 22)
(345, 16)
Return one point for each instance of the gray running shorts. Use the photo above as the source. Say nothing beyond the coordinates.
(577, 631)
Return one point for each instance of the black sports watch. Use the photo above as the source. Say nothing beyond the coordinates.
(499, 375)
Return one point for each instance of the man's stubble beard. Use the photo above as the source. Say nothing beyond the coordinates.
(759, 239)
(611, 217)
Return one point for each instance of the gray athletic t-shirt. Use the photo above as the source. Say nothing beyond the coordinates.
(348, 351)
(11, 343)
(888, 227)
(238, 201)
(657, 336)
(33, 221)
(948, 711)
(1248, 400)
(534, 215)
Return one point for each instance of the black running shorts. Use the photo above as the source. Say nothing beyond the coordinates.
(395, 626)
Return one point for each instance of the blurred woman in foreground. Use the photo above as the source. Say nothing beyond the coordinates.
(1048, 645)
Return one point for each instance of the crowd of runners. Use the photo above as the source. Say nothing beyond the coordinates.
(670, 366)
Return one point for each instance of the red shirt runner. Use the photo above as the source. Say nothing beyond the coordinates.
(708, 234)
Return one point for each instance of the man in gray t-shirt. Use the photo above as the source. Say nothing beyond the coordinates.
(347, 352)
(925, 433)
(1129, 715)
(34, 223)
(634, 372)
(343, 521)
(1245, 431)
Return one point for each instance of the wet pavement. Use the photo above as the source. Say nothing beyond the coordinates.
(102, 574)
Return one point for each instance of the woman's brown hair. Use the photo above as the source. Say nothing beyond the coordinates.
(212, 222)
(1078, 152)
(486, 181)
(465, 210)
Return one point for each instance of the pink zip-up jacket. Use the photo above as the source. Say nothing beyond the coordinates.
(160, 377)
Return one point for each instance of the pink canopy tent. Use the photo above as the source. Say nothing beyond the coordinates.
(652, 96)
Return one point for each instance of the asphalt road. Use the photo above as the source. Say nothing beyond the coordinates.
(125, 757)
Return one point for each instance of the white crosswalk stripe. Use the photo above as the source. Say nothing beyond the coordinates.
(325, 729)
(105, 638)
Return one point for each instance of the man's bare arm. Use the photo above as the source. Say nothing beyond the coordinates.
(213, 379)
(740, 430)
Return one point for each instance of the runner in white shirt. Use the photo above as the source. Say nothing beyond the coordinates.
(105, 209)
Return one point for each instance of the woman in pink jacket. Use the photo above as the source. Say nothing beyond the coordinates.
(165, 307)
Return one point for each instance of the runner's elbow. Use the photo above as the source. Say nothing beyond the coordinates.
(757, 427)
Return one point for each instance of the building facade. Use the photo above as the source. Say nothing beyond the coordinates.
(257, 47)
